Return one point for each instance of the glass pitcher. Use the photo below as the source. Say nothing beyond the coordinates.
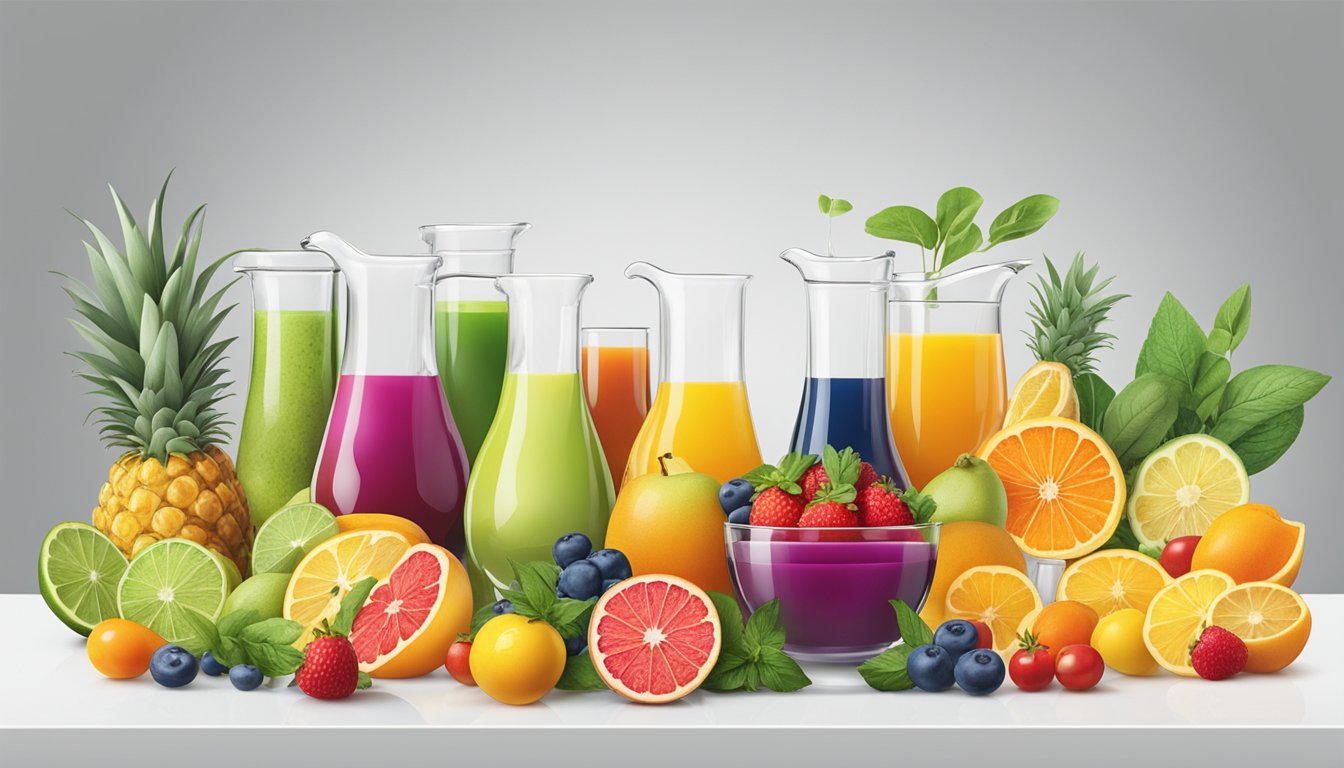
(945, 380)
(540, 473)
(615, 366)
(391, 444)
(471, 320)
(289, 395)
(700, 412)
(845, 396)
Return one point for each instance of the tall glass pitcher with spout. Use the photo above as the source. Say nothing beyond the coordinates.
(293, 378)
(471, 320)
(541, 472)
(845, 396)
(700, 412)
(945, 380)
(391, 445)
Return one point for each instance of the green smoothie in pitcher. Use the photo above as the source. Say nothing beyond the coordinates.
(471, 341)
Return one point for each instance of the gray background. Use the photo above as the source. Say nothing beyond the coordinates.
(1194, 146)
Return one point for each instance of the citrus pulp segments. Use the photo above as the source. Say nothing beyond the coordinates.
(413, 615)
(1270, 618)
(167, 580)
(654, 638)
(1066, 490)
(1112, 579)
(289, 534)
(78, 569)
(997, 595)
(326, 574)
(1046, 389)
(1182, 486)
(1178, 614)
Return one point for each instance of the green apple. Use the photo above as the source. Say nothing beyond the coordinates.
(970, 489)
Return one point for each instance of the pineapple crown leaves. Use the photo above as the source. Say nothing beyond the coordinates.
(1066, 313)
(150, 320)
(783, 476)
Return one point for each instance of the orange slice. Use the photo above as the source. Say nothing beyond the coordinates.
(1178, 614)
(998, 595)
(1113, 579)
(1272, 619)
(1046, 389)
(326, 574)
(1066, 491)
(1252, 543)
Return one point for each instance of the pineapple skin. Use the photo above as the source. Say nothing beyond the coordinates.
(197, 496)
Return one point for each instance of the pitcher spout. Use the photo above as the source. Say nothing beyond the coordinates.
(816, 268)
(985, 283)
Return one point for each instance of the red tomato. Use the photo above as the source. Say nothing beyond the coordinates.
(458, 662)
(1079, 667)
(984, 636)
(121, 649)
(1032, 667)
(1177, 554)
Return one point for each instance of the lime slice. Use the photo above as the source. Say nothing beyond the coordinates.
(289, 534)
(167, 582)
(78, 569)
(1182, 486)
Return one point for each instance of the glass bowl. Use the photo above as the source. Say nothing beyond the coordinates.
(834, 585)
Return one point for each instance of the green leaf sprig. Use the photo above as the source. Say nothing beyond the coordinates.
(886, 671)
(752, 655)
(784, 476)
(832, 208)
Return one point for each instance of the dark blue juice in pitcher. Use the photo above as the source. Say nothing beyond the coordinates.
(848, 413)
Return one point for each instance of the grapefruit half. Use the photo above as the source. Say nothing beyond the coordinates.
(413, 615)
(654, 638)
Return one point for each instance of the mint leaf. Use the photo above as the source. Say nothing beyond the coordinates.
(570, 617)
(478, 619)
(1022, 218)
(350, 605)
(273, 660)
(921, 507)
(364, 681)
(914, 632)
(1174, 345)
(1214, 372)
(729, 673)
(904, 223)
(833, 208)
(886, 671)
(274, 631)
(1266, 442)
(203, 630)
(1259, 394)
(1139, 417)
(780, 673)
(763, 630)
(1094, 397)
(233, 623)
(956, 211)
(536, 581)
(730, 620)
(580, 675)
(1232, 322)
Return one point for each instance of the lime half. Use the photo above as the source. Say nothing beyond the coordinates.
(78, 570)
(1182, 486)
(289, 534)
(168, 580)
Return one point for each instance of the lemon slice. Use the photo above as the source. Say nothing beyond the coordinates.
(1046, 389)
(1178, 614)
(1183, 486)
(1111, 580)
(326, 574)
(1272, 619)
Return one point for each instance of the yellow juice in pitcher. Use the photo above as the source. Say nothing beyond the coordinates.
(706, 423)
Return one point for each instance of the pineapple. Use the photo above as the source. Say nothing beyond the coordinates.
(150, 321)
(1066, 314)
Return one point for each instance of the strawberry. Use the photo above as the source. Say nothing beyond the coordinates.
(867, 476)
(777, 507)
(330, 668)
(828, 514)
(812, 480)
(1217, 654)
(779, 500)
(880, 504)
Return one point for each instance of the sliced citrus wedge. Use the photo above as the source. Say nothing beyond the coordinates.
(1177, 614)
(1272, 619)
(327, 573)
(997, 595)
(1183, 486)
(1112, 579)
(1046, 389)
(413, 615)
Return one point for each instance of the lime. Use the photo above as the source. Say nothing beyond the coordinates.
(78, 569)
(263, 593)
(1183, 486)
(230, 568)
(302, 497)
(167, 582)
(289, 534)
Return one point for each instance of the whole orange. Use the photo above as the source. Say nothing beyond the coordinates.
(1066, 622)
(961, 547)
(1252, 543)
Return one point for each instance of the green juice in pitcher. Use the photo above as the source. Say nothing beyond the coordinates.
(471, 341)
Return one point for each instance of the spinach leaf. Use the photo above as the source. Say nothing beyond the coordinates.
(962, 245)
(956, 213)
(1022, 218)
(1258, 394)
(1266, 443)
(1139, 417)
(904, 223)
(1094, 397)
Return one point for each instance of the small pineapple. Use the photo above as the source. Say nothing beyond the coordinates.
(1066, 314)
(150, 320)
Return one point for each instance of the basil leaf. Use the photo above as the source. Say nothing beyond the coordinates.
(1022, 218)
(904, 223)
(350, 605)
(886, 671)
(956, 212)
(580, 675)
(1137, 420)
(914, 632)
(1214, 371)
(1267, 442)
(482, 615)
(273, 660)
(1258, 394)
(957, 247)
(763, 630)
(570, 617)
(230, 651)
(1174, 345)
(1187, 423)
(1232, 322)
(780, 673)
(833, 208)
(276, 631)
(536, 580)
(730, 619)
(1094, 397)
(203, 629)
(233, 623)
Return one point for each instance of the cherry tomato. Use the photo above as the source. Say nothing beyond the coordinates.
(1032, 667)
(984, 636)
(1079, 667)
(121, 649)
(1177, 554)
(458, 663)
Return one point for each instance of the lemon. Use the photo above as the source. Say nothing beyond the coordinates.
(1270, 618)
(1046, 389)
(332, 568)
(1183, 486)
(1119, 639)
(1178, 614)
(1112, 580)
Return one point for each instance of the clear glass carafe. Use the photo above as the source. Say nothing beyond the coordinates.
(946, 386)
(391, 444)
(700, 412)
(615, 365)
(541, 472)
(471, 321)
(844, 401)
(294, 351)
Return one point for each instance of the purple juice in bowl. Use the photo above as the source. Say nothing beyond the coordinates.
(834, 585)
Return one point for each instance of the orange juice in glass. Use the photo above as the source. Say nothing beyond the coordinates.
(615, 366)
(946, 387)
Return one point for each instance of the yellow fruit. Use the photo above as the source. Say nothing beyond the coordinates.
(1184, 486)
(515, 660)
(1066, 491)
(1119, 639)
(413, 614)
(1112, 580)
(997, 595)
(962, 546)
(376, 521)
(1046, 389)
(1178, 614)
(325, 575)
(1272, 619)
(1252, 543)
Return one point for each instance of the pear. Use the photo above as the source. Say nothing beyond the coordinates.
(970, 489)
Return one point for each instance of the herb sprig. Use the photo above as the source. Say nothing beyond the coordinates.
(886, 671)
(752, 655)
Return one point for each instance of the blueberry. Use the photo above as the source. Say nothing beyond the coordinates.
(979, 672)
(580, 580)
(245, 677)
(734, 494)
(571, 547)
(501, 607)
(612, 563)
(957, 637)
(575, 645)
(930, 668)
(740, 516)
(609, 583)
(211, 666)
(173, 666)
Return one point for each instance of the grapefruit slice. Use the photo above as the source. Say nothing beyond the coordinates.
(654, 638)
(413, 615)
(326, 574)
